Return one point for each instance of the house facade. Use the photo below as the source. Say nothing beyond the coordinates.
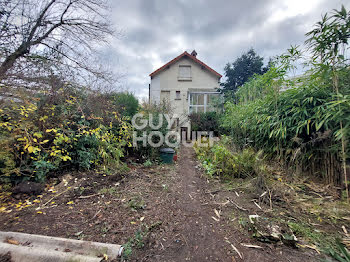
(188, 85)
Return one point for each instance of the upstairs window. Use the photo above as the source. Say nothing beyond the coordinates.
(184, 73)
(178, 95)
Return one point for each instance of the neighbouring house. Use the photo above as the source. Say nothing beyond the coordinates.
(188, 85)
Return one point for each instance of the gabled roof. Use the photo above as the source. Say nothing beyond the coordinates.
(181, 56)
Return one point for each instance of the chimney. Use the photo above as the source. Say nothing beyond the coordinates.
(194, 53)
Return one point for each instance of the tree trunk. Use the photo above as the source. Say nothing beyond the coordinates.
(11, 59)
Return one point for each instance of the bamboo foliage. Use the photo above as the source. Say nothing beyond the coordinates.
(328, 42)
(307, 126)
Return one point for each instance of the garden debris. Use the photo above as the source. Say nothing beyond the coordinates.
(83, 197)
(216, 219)
(345, 231)
(346, 242)
(253, 217)
(251, 246)
(50, 200)
(235, 249)
(257, 205)
(309, 246)
(266, 230)
(217, 213)
(239, 207)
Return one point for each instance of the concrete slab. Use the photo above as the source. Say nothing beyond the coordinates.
(37, 248)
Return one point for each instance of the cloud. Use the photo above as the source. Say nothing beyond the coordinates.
(155, 31)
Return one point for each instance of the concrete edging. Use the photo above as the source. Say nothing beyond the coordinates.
(29, 248)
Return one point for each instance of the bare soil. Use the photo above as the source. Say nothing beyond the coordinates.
(174, 204)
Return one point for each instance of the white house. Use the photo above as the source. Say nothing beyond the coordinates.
(187, 84)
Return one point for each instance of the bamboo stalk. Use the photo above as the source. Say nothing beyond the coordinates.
(344, 162)
(343, 152)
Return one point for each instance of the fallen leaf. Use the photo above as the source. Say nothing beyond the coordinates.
(142, 218)
(12, 241)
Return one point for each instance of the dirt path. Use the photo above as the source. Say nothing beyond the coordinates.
(196, 233)
(196, 236)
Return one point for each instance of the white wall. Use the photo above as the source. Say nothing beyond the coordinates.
(155, 89)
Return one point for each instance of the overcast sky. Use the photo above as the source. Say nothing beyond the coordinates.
(152, 32)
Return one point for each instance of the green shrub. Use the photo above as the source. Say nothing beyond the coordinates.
(41, 169)
(208, 121)
(221, 161)
(126, 104)
(61, 130)
(85, 151)
(156, 110)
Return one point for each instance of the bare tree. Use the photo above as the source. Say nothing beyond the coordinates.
(44, 37)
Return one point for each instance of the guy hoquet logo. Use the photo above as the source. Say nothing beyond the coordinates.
(156, 130)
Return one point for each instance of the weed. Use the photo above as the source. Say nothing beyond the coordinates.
(80, 190)
(342, 254)
(165, 187)
(105, 227)
(320, 239)
(244, 222)
(155, 225)
(137, 241)
(147, 163)
(136, 203)
(110, 190)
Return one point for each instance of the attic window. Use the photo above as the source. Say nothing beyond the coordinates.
(184, 73)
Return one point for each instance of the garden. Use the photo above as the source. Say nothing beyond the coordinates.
(273, 186)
